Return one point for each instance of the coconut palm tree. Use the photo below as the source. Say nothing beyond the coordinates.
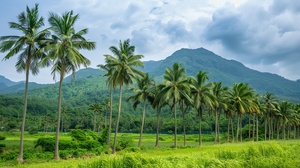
(27, 46)
(202, 96)
(96, 108)
(287, 110)
(142, 94)
(220, 104)
(64, 54)
(270, 102)
(109, 83)
(175, 87)
(123, 65)
(240, 98)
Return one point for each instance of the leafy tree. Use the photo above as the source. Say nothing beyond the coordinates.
(123, 66)
(270, 102)
(142, 93)
(96, 108)
(64, 53)
(28, 47)
(175, 87)
(202, 95)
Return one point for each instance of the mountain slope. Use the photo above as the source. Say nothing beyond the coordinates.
(7, 86)
(228, 72)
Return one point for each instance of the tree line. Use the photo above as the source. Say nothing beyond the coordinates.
(59, 46)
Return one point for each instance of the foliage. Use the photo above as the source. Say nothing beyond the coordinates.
(33, 130)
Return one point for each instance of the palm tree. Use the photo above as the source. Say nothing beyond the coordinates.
(202, 95)
(240, 98)
(269, 101)
(175, 87)
(109, 82)
(287, 110)
(124, 69)
(142, 93)
(220, 95)
(96, 108)
(28, 47)
(64, 54)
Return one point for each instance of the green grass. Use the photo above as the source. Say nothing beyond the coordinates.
(246, 154)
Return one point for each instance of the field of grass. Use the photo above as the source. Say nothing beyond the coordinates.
(247, 154)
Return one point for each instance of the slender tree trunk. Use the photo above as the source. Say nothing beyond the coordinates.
(157, 128)
(270, 129)
(20, 157)
(118, 120)
(241, 130)
(216, 127)
(228, 128)
(183, 127)
(94, 122)
(142, 127)
(278, 131)
(175, 126)
(232, 130)
(289, 130)
(266, 123)
(200, 132)
(256, 127)
(283, 131)
(295, 131)
(253, 127)
(237, 131)
(110, 118)
(56, 153)
(249, 121)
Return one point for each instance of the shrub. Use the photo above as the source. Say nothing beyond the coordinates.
(2, 146)
(47, 144)
(78, 135)
(11, 155)
(124, 142)
(33, 130)
(103, 137)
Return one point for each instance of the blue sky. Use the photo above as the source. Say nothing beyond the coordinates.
(263, 35)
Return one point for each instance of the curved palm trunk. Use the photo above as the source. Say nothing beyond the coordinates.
(157, 128)
(56, 153)
(118, 120)
(175, 127)
(142, 127)
(200, 132)
(20, 157)
(110, 118)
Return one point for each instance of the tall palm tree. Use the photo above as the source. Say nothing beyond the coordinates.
(240, 98)
(270, 102)
(202, 95)
(287, 110)
(64, 54)
(220, 103)
(124, 65)
(28, 47)
(96, 108)
(142, 94)
(109, 82)
(175, 87)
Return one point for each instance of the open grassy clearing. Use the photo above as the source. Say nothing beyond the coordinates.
(246, 154)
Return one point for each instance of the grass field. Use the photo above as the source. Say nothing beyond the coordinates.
(247, 154)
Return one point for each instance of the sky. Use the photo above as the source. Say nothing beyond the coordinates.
(262, 34)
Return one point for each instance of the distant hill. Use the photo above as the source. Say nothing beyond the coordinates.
(7, 86)
(219, 70)
(228, 72)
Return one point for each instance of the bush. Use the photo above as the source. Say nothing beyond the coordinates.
(47, 144)
(103, 137)
(33, 130)
(2, 146)
(124, 142)
(78, 135)
(10, 155)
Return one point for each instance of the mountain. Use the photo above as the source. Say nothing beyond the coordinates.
(7, 86)
(219, 70)
(227, 71)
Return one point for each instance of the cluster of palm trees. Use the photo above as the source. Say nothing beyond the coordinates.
(57, 46)
(184, 93)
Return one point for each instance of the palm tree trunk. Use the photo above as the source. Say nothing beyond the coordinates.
(256, 127)
(94, 121)
(118, 120)
(216, 127)
(56, 153)
(183, 127)
(228, 128)
(266, 123)
(295, 131)
(277, 131)
(142, 127)
(200, 132)
(237, 131)
(289, 129)
(157, 128)
(241, 130)
(270, 129)
(20, 157)
(283, 131)
(175, 127)
(253, 127)
(110, 118)
(249, 127)
(232, 130)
